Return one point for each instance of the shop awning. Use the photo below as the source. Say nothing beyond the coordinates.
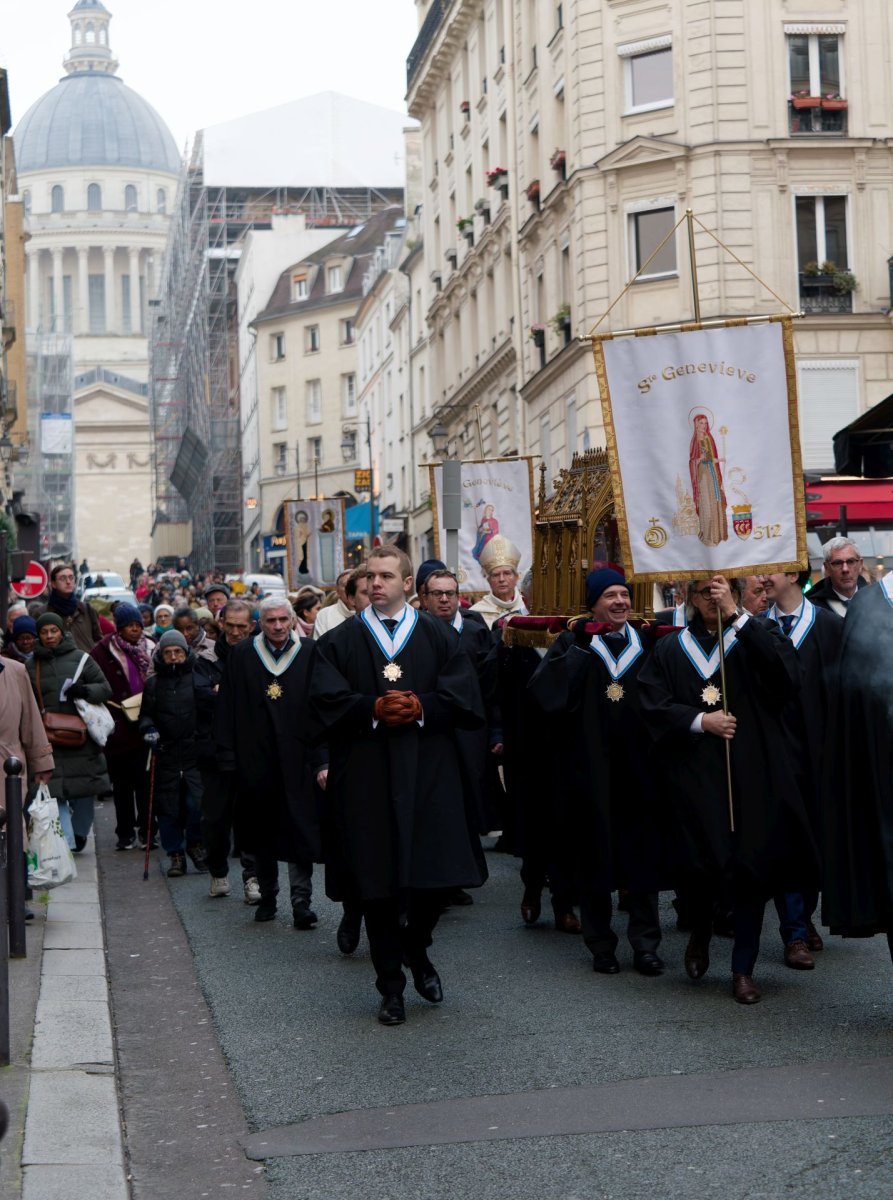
(356, 520)
(865, 446)
(867, 501)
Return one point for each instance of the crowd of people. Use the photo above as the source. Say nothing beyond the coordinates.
(385, 729)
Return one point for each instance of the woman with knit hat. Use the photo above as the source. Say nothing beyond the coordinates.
(124, 658)
(80, 772)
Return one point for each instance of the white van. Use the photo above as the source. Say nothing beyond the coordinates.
(270, 585)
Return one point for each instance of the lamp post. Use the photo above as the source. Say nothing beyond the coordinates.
(450, 493)
(348, 453)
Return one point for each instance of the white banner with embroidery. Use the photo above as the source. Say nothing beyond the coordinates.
(314, 532)
(704, 450)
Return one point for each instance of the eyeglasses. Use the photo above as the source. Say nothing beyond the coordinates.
(704, 593)
(844, 562)
(442, 595)
(65, 575)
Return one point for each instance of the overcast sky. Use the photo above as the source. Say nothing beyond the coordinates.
(199, 62)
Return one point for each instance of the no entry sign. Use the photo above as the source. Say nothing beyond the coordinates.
(34, 584)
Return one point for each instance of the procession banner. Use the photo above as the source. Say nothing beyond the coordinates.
(704, 450)
(497, 498)
(314, 533)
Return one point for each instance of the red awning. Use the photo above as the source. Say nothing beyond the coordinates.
(868, 502)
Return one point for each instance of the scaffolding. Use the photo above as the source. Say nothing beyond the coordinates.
(48, 477)
(194, 368)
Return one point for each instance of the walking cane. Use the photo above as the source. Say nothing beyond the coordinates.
(149, 822)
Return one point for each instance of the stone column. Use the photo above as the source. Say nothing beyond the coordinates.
(111, 307)
(33, 287)
(135, 314)
(58, 300)
(82, 322)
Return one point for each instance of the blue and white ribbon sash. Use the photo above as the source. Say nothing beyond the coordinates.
(705, 667)
(618, 667)
(277, 666)
(390, 644)
(802, 625)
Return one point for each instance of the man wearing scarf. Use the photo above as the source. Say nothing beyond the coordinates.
(79, 619)
(124, 657)
(499, 562)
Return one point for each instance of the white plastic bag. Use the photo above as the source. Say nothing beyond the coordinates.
(50, 861)
(99, 721)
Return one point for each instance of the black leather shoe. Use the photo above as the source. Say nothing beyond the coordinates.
(265, 911)
(605, 964)
(391, 1010)
(531, 905)
(303, 917)
(427, 984)
(348, 936)
(697, 957)
(647, 962)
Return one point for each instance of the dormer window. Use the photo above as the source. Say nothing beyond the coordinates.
(300, 288)
(336, 278)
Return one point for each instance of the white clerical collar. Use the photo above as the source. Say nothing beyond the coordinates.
(619, 666)
(804, 619)
(795, 612)
(457, 621)
(844, 599)
(516, 603)
(389, 643)
(705, 666)
(277, 666)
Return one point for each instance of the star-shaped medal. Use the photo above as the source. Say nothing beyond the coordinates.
(392, 672)
(275, 691)
(614, 692)
(711, 695)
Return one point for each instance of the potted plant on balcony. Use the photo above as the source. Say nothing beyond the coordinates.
(532, 192)
(558, 162)
(465, 108)
(802, 99)
(482, 206)
(833, 101)
(465, 225)
(561, 322)
(843, 281)
(538, 335)
(496, 177)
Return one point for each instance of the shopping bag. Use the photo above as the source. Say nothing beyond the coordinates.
(99, 721)
(50, 861)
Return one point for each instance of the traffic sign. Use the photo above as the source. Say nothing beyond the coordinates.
(34, 584)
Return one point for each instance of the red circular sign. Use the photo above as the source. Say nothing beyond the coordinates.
(34, 584)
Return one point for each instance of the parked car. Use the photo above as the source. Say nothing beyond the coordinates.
(99, 579)
(270, 585)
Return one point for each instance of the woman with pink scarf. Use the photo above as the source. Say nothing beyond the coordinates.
(125, 657)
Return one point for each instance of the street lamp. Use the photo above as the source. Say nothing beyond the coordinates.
(439, 435)
(348, 452)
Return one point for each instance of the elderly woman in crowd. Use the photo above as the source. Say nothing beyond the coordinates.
(20, 643)
(164, 619)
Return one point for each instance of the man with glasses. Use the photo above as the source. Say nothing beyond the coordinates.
(843, 578)
(81, 620)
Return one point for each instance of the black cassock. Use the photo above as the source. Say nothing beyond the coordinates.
(395, 807)
(263, 732)
(612, 817)
(478, 764)
(772, 849)
(857, 890)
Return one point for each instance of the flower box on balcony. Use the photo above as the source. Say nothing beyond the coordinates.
(806, 101)
(465, 107)
(532, 191)
(834, 105)
(558, 161)
(496, 177)
(538, 335)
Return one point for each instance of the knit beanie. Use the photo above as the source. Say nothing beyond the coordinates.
(127, 614)
(173, 637)
(50, 618)
(24, 625)
(599, 581)
(428, 567)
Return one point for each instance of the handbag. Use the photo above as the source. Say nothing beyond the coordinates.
(99, 721)
(50, 861)
(65, 730)
(131, 707)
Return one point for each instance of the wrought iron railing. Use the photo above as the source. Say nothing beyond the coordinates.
(818, 294)
(430, 26)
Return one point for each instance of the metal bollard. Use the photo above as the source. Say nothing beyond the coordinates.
(15, 858)
(5, 1048)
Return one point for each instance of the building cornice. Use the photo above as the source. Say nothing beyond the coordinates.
(566, 358)
(502, 358)
(429, 77)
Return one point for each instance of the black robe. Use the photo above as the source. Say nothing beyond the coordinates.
(478, 764)
(395, 809)
(857, 890)
(267, 742)
(772, 849)
(613, 818)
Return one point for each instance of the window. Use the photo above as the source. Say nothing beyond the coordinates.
(648, 70)
(314, 451)
(96, 300)
(349, 395)
(57, 198)
(90, 35)
(130, 198)
(67, 305)
(821, 246)
(126, 316)
(280, 457)
(26, 202)
(546, 441)
(161, 200)
(336, 278)
(94, 198)
(571, 428)
(349, 445)
(277, 347)
(647, 230)
(311, 339)
(829, 399)
(299, 287)
(278, 410)
(346, 331)
(314, 401)
(815, 70)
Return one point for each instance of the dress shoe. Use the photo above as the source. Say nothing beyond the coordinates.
(391, 1010)
(745, 990)
(531, 905)
(348, 936)
(303, 916)
(647, 962)
(427, 983)
(568, 922)
(697, 957)
(459, 898)
(813, 939)
(796, 955)
(605, 964)
(266, 910)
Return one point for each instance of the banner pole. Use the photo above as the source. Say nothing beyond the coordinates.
(693, 266)
(725, 709)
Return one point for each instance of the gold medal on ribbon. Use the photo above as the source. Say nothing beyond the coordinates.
(275, 691)
(392, 672)
(711, 695)
(614, 692)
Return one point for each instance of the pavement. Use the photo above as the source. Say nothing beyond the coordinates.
(248, 1060)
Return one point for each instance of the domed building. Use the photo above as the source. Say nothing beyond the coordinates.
(98, 172)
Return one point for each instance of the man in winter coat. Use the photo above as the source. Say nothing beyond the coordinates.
(80, 619)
